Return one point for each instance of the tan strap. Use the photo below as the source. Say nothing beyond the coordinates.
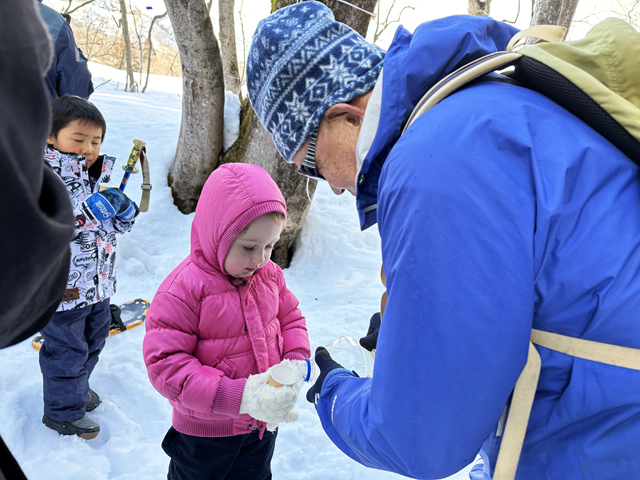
(544, 33)
(525, 388)
(481, 66)
(462, 76)
(146, 181)
(383, 300)
(518, 419)
(589, 350)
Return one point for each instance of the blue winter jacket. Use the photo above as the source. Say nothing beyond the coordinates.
(69, 73)
(499, 212)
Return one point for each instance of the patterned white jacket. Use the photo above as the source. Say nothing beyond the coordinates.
(92, 276)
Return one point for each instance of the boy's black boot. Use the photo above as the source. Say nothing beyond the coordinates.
(83, 427)
(93, 401)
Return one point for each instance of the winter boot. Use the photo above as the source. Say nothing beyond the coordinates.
(93, 401)
(83, 427)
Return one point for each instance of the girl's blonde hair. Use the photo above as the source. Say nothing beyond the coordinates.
(278, 217)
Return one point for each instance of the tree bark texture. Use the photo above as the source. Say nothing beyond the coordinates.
(554, 12)
(347, 14)
(200, 140)
(256, 146)
(479, 8)
(127, 46)
(228, 45)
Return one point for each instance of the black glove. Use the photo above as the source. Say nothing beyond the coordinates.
(370, 341)
(326, 364)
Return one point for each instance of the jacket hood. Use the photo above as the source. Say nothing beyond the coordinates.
(413, 64)
(234, 195)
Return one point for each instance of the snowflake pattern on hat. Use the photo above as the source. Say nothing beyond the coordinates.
(302, 62)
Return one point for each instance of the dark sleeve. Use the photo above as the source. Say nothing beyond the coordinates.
(72, 74)
(35, 212)
(9, 468)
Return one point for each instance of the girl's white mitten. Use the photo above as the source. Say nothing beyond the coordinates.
(269, 404)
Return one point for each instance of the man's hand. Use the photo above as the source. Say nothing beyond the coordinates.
(269, 404)
(370, 341)
(325, 364)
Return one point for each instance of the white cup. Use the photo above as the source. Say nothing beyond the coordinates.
(281, 375)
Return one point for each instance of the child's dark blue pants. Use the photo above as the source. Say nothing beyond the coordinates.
(72, 342)
(241, 457)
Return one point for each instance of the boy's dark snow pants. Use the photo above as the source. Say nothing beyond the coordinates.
(72, 342)
(241, 457)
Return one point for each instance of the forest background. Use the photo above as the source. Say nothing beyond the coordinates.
(206, 43)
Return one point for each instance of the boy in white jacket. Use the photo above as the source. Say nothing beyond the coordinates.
(76, 334)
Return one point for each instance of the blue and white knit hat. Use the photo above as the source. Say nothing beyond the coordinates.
(302, 62)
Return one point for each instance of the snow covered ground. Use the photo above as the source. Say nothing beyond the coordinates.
(334, 274)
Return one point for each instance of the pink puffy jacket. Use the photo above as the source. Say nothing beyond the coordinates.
(205, 335)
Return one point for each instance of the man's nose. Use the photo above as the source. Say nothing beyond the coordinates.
(337, 191)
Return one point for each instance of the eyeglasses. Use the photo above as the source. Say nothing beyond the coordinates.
(308, 167)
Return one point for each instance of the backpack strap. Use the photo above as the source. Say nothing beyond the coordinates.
(525, 389)
(483, 65)
(519, 411)
(616, 355)
(454, 81)
(544, 33)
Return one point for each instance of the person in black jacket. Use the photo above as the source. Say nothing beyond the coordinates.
(69, 72)
(35, 212)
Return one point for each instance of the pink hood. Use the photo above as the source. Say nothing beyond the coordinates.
(234, 195)
(205, 333)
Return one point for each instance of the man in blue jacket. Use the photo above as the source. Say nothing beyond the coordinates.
(69, 72)
(498, 212)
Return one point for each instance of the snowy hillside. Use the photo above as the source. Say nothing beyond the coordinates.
(335, 275)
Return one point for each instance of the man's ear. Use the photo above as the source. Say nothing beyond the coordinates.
(354, 115)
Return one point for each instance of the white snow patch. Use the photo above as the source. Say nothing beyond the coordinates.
(231, 119)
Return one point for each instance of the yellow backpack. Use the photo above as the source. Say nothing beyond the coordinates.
(596, 78)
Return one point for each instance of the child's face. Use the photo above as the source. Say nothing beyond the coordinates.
(81, 138)
(252, 248)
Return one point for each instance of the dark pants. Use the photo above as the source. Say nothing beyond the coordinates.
(72, 342)
(241, 457)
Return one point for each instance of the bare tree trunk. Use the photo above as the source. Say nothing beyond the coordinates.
(139, 35)
(129, 86)
(554, 12)
(157, 17)
(228, 45)
(348, 14)
(255, 145)
(200, 140)
(479, 8)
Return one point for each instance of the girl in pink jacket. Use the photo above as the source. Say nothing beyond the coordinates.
(216, 325)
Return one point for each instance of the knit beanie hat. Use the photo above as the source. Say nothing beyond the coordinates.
(302, 62)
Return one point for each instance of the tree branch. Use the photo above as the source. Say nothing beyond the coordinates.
(517, 15)
(67, 11)
(146, 82)
(381, 27)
